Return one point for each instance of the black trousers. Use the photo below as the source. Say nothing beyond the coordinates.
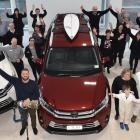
(117, 106)
(131, 60)
(18, 67)
(35, 68)
(24, 117)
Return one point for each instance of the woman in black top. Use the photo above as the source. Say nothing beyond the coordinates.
(119, 42)
(19, 25)
(106, 48)
(32, 56)
(124, 79)
(135, 50)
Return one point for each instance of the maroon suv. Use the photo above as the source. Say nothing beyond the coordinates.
(73, 88)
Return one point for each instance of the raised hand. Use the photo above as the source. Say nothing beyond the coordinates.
(81, 7)
(33, 7)
(42, 6)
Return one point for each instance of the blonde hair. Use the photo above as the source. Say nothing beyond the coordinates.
(124, 71)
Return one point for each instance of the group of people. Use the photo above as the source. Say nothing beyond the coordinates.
(114, 41)
(11, 38)
(123, 87)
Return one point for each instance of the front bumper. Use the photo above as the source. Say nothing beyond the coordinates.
(83, 126)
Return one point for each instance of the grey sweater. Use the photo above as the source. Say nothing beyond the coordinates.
(13, 53)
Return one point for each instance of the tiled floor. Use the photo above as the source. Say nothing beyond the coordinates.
(10, 130)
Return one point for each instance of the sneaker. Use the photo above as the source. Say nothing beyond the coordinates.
(22, 131)
(126, 127)
(35, 131)
(121, 125)
(116, 117)
(133, 119)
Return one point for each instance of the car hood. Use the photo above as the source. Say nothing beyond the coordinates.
(73, 93)
(5, 65)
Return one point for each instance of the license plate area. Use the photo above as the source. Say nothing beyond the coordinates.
(74, 127)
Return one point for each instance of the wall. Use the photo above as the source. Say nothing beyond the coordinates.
(115, 5)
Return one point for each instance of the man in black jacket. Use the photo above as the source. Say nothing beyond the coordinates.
(37, 17)
(27, 91)
(94, 16)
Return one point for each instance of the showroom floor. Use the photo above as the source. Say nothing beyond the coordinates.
(10, 130)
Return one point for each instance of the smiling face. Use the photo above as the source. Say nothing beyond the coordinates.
(25, 74)
(127, 91)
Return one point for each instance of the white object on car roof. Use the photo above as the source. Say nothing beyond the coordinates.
(71, 25)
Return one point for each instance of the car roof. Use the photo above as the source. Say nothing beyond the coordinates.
(59, 38)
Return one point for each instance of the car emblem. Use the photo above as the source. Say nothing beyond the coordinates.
(74, 114)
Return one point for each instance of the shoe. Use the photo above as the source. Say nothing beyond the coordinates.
(133, 119)
(108, 71)
(22, 131)
(126, 127)
(35, 131)
(116, 117)
(121, 125)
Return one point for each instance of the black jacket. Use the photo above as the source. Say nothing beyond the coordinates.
(19, 25)
(34, 16)
(119, 82)
(106, 46)
(6, 39)
(28, 53)
(23, 90)
(119, 44)
(135, 45)
(94, 17)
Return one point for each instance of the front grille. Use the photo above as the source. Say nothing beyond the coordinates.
(5, 102)
(64, 126)
(87, 128)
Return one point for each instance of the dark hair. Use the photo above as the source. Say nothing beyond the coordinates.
(108, 31)
(31, 38)
(25, 69)
(126, 86)
(16, 9)
(37, 9)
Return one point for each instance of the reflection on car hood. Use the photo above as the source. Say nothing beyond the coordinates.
(5, 65)
(73, 93)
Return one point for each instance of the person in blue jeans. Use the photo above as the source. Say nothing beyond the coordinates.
(27, 92)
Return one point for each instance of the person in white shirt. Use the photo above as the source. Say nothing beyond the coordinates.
(126, 99)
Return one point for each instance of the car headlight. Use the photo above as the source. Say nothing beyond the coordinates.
(103, 104)
(45, 105)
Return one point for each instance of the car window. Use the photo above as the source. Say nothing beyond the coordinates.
(2, 57)
(72, 61)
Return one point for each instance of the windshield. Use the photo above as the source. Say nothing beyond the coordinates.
(2, 57)
(72, 61)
